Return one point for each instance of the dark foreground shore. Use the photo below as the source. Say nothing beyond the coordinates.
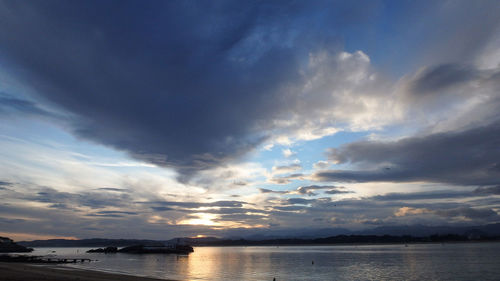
(23, 272)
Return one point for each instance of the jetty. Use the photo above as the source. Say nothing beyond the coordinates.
(40, 259)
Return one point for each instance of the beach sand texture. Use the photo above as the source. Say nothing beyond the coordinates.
(25, 272)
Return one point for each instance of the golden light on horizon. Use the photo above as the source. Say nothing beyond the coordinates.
(203, 219)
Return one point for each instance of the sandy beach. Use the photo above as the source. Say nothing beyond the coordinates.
(23, 272)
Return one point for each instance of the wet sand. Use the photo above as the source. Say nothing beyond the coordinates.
(24, 272)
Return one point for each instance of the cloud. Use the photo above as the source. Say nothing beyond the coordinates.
(300, 201)
(451, 96)
(492, 190)
(426, 195)
(288, 153)
(155, 217)
(277, 174)
(111, 214)
(278, 170)
(4, 184)
(242, 218)
(172, 86)
(336, 191)
(468, 157)
(470, 213)
(11, 105)
(265, 190)
(113, 189)
(434, 79)
(309, 190)
(321, 165)
(192, 205)
(67, 200)
(405, 211)
(161, 208)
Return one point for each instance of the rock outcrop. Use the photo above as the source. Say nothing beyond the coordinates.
(7, 245)
(107, 250)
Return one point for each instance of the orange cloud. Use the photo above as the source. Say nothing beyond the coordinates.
(405, 211)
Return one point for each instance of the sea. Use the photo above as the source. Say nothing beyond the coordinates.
(448, 261)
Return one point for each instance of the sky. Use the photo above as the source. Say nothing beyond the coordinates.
(161, 119)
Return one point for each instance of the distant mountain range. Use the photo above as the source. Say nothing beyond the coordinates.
(413, 230)
(418, 233)
(94, 242)
(421, 230)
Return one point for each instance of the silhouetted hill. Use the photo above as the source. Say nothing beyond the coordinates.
(94, 242)
(386, 234)
(348, 239)
(422, 230)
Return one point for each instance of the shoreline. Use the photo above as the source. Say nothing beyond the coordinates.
(308, 244)
(23, 271)
(354, 244)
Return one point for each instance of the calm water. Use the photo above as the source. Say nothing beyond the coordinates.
(472, 261)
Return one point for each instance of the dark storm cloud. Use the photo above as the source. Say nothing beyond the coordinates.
(225, 211)
(470, 213)
(4, 184)
(10, 221)
(161, 208)
(10, 104)
(336, 191)
(193, 84)
(289, 208)
(61, 206)
(438, 88)
(438, 194)
(301, 201)
(434, 79)
(193, 205)
(309, 190)
(377, 208)
(116, 212)
(493, 190)
(89, 199)
(226, 203)
(265, 190)
(111, 214)
(113, 189)
(486, 201)
(240, 217)
(469, 157)
(176, 83)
